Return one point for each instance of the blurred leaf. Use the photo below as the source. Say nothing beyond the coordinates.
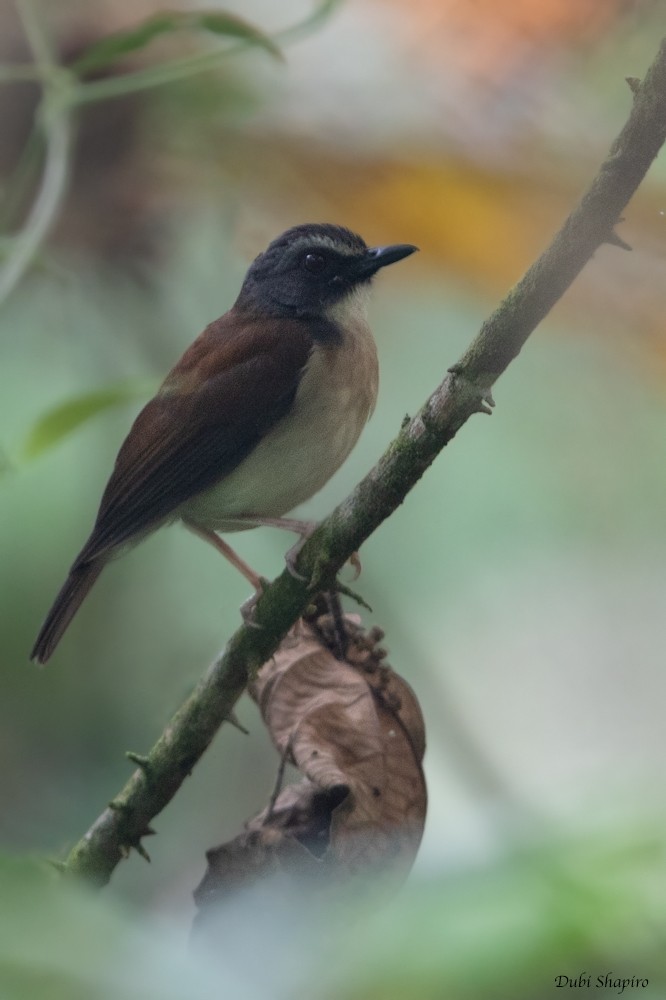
(108, 50)
(59, 941)
(506, 930)
(234, 27)
(6, 464)
(17, 873)
(321, 13)
(66, 417)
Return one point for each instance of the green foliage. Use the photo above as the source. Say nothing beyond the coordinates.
(6, 464)
(112, 48)
(61, 420)
(60, 942)
(506, 929)
(62, 91)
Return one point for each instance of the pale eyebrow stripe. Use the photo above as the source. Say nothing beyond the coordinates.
(328, 243)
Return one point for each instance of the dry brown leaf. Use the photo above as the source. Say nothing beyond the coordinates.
(344, 725)
(354, 729)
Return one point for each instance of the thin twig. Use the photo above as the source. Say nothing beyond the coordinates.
(465, 390)
(20, 73)
(36, 36)
(62, 93)
(188, 66)
(54, 116)
(139, 80)
(46, 206)
(279, 778)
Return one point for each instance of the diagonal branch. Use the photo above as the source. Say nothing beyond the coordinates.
(464, 391)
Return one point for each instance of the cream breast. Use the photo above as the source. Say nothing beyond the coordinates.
(335, 398)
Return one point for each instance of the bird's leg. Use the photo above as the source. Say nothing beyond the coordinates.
(302, 528)
(247, 610)
(227, 552)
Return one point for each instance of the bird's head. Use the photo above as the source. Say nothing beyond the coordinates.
(311, 269)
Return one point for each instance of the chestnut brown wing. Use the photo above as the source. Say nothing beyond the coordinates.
(232, 385)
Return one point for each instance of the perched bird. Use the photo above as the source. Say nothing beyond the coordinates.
(256, 416)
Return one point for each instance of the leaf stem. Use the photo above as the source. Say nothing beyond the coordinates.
(53, 115)
(188, 66)
(20, 73)
(58, 131)
(37, 37)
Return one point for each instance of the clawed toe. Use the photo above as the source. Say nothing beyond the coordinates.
(293, 553)
(355, 561)
(290, 560)
(248, 608)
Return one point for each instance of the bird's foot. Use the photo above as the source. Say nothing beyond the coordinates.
(355, 562)
(293, 554)
(248, 608)
(302, 528)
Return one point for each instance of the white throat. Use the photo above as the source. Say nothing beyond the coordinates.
(352, 310)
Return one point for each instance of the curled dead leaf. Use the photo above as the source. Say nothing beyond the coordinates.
(354, 729)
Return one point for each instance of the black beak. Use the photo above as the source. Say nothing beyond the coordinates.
(377, 257)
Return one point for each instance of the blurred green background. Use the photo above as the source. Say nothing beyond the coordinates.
(521, 585)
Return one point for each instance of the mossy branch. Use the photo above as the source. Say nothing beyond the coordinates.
(465, 390)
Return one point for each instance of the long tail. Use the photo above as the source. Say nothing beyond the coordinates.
(65, 606)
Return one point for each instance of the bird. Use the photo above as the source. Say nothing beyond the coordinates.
(257, 415)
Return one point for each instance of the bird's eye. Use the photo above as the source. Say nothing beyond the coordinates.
(315, 262)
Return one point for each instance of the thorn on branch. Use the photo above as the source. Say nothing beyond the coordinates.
(634, 84)
(140, 760)
(485, 401)
(59, 866)
(135, 843)
(233, 720)
(140, 849)
(117, 805)
(617, 241)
